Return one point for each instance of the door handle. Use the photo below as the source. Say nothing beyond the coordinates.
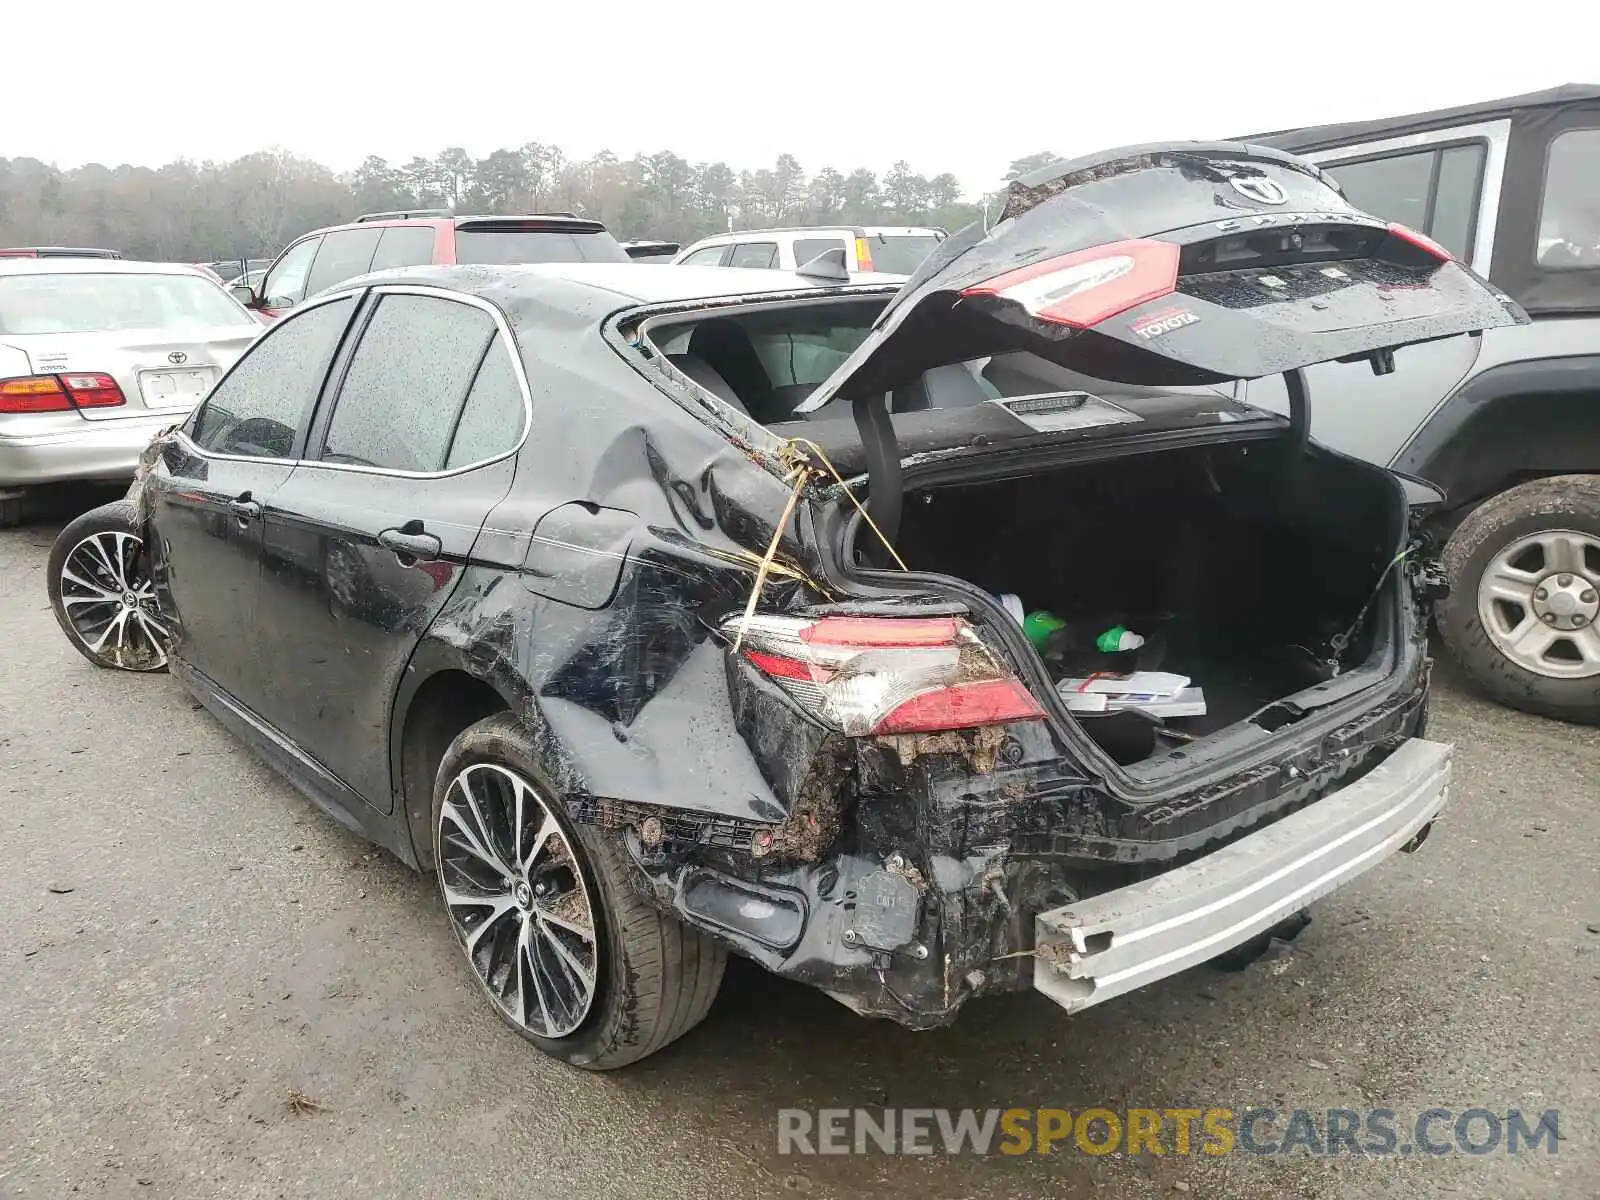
(410, 542)
(244, 508)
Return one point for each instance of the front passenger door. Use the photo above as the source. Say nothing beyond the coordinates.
(364, 545)
(284, 284)
(208, 489)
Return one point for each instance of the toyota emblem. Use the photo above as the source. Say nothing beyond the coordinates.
(177, 358)
(1259, 188)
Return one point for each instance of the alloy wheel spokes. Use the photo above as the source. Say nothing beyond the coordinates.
(518, 900)
(110, 602)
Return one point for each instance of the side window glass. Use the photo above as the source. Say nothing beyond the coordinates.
(285, 284)
(1394, 188)
(344, 255)
(1569, 219)
(755, 254)
(1455, 199)
(711, 256)
(404, 246)
(406, 383)
(491, 422)
(257, 410)
(805, 249)
(1434, 191)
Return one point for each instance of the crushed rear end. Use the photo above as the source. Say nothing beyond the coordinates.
(953, 820)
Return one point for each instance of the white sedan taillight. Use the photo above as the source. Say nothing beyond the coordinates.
(883, 675)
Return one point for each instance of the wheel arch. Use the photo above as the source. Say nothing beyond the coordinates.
(438, 698)
(1508, 425)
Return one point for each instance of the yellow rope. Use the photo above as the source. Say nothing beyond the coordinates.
(795, 443)
(800, 474)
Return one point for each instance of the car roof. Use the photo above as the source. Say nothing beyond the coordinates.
(97, 266)
(638, 283)
(1352, 132)
(739, 235)
(552, 222)
(87, 251)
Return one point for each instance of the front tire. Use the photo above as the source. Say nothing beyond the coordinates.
(555, 931)
(1521, 617)
(102, 594)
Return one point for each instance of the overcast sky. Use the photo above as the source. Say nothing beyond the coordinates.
(948, 87)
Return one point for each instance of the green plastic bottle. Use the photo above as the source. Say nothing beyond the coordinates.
(1038, 626)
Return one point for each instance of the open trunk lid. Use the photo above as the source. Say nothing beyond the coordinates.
(1172, 264)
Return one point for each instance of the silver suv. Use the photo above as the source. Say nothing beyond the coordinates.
(1507, 424)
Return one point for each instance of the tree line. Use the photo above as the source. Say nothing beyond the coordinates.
(253, 206)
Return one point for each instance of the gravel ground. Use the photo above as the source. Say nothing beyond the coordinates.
(188, 944)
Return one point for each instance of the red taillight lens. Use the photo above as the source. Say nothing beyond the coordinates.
(963, 706)
(1421, 241)
(863, 254)
(93, 390)
(877, 632)
(59, 393)
(1086, 287)
(881, 675)
(33, 394)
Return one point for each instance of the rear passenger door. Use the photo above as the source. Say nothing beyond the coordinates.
(344, 254)
(806, 249)
(754, 254)
(710, 256)
(404, 246)
(365, 543)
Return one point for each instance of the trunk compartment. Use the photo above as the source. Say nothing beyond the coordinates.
(1240, 564)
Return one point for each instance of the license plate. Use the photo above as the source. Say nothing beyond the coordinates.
(174, 389)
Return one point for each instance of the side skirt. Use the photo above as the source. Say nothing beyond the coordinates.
(314, 781)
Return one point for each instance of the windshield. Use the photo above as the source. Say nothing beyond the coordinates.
(900, 253)
(483, 247)
(91, 303)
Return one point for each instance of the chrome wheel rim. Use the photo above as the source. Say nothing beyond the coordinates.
(110, 602)
(1539, 602)
(517, 900)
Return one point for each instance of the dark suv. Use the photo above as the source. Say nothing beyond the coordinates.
(420, 238)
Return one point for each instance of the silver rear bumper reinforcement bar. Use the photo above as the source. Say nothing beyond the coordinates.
(1091, 950)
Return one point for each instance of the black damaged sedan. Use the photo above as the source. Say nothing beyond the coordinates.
(668, 612)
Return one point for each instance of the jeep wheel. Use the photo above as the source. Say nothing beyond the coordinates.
(547, 913)
(1524, 603)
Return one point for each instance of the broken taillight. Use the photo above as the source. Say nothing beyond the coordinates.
(1088, 286)
(882, 675)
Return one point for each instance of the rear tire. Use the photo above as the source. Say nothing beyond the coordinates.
(653, 977)
(98, 578)
(1525, 570)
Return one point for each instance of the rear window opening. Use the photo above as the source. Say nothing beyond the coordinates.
(765, 363)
